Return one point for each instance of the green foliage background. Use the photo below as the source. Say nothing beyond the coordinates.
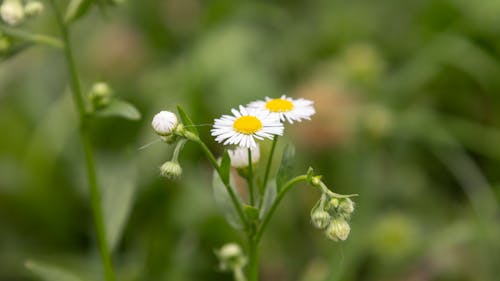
(408, 101)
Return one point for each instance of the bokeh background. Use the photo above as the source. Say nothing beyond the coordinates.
(408, 115)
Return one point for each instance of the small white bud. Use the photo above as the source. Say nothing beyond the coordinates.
(171, 170)
(164, 123)
(12, 12)
(346, 206)
(231, 257)
(320, 219)
(338, 229)
(239, 156)
(33, 8)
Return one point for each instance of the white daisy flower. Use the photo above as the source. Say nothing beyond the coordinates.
(239, 156)
(286, 108)
(245, 126)
(164, 123)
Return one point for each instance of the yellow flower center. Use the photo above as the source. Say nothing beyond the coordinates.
(247, 125)
(279, 105)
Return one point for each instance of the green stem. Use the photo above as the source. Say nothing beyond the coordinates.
(276, 202)
(95, 196)
(268, 165)
(234, 198)
(253, 256)
(250, 178)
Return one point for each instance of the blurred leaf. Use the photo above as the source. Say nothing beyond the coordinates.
(31, 37)
(118, 189)
(286, 167)
(225, 166)
(223, 200)
(13, 51)
(119, 108)
(269, 197)
(188, 124)
(76, 9)
(50, 272)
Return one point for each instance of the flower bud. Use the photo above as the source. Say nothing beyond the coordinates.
(12, 12)
(320, 219)
(100, 94)
(316, 181)
(171, 170)
(333, 203)
(239, 156)
(164, 123)
(338, 229)
(33, 8)
(346, 206)
(231, 257)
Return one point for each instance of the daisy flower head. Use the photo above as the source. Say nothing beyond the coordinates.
(246, 125)
(286, 108)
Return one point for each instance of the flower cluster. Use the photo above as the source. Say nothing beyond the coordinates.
(259, 120)
(332, 214)
(241, 131)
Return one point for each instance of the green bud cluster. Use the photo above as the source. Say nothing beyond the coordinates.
(332, 214)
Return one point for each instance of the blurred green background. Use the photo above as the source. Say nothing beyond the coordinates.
(408, 115)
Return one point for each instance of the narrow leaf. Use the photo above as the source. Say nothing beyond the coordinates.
(119, 108)
(76, 9)
(286, 167)
(225, 166)
(269, 197)
(118, 189)
(188, 124)
(50, 272)
(223, 200)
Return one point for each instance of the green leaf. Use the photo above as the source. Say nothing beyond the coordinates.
(251, 212)
(269, 197)
(119, 183)
(76, 9)
(49, 272)
(286, 167)
(119, 108)
(188, 124)
(225, 166)
(223, 200)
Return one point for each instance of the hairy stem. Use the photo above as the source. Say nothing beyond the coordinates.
(95, 196)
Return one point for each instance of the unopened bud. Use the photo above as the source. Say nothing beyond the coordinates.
(231, 257)
(100, 95)
(239, 156)
(171, 170)
(338, 229)
(320, 219)
(164, 123)
(346, 206)
(33, 8)
(333, 203)
(316, 181)
(12, 12)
